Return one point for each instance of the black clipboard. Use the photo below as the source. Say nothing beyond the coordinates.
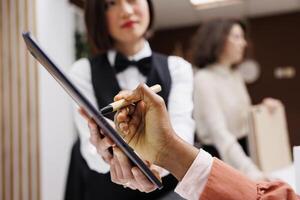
(83, 102)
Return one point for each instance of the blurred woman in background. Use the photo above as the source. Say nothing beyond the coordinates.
(221, 100)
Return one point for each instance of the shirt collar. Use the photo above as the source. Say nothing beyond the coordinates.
(221, 69)
(144, 52)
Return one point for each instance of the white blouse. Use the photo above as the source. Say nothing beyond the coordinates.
(221, 111)
(180, 100)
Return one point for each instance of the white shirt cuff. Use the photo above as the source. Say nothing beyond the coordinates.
(194, 181)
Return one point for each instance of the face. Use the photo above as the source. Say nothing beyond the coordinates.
(127, 20)
(235, 45)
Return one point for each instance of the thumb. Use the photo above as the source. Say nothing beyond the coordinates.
(144, 93)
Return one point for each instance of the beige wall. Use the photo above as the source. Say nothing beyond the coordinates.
(19, 166)
(55, 34)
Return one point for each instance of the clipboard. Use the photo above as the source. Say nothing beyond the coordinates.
(269, 142)
(37, 52)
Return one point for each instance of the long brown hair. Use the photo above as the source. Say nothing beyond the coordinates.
(96, 25)
(208, 42)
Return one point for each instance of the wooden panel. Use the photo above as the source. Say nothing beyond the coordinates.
(19, 166)
(1, 106)
(6, 102)
(23, 105)
(21, 55)
(33, 123)
(14, 99)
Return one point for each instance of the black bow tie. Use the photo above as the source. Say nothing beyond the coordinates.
(143, 65)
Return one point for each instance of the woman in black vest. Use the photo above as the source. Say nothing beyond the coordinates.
(117, 30)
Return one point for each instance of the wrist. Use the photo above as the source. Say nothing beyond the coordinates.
(165, 153)
(177, 156)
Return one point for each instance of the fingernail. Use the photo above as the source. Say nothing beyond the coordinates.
(147, 162)
(126, 132)
(111, 143)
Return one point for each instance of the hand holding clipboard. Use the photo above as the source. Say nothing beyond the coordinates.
(82, 101)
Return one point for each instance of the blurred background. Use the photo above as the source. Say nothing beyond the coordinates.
(36, 128)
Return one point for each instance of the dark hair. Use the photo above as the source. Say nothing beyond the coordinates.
(97, 29)
(209, 41)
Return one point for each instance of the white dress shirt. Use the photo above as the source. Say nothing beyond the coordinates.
(193, 183)
(180, 102)
(221, 113)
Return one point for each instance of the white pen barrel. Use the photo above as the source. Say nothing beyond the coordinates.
(122, 103)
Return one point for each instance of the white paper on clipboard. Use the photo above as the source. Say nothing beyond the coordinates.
(296, 151)
(269, 139)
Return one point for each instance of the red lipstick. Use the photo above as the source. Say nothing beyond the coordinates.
(128, 24)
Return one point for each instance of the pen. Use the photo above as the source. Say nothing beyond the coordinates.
(112, 107)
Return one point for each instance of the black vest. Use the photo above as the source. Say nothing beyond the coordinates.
(106, 86)
(86, 184)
